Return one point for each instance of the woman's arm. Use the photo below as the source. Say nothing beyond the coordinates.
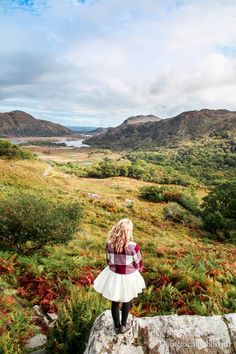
(137, 257)
(107, 254)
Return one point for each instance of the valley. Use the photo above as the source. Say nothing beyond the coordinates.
(188, 249)
(186, 271)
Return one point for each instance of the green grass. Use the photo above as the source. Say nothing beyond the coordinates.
(185, 271)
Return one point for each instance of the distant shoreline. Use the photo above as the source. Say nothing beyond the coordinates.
(75, 142)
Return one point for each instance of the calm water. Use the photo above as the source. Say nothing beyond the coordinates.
(75, 143)
(69, 143)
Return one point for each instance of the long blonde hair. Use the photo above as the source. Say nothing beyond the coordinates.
(120, 235)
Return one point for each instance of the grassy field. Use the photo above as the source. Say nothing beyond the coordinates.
(83, 155)
(185, 271)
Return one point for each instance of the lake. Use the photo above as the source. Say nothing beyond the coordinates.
(69, 143)
(73, 143)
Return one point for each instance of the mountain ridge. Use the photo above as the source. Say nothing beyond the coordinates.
(140, 119)
(190, 125)
(20, 124)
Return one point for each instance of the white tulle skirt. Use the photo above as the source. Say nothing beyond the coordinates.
(119, 287)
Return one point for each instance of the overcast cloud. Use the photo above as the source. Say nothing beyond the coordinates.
(98, 62)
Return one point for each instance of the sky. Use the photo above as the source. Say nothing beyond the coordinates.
(97, 62)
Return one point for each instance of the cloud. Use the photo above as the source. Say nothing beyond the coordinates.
(97, 62)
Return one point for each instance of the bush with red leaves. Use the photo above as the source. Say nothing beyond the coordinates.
(5, 267)
(39, 290)
(164, 279)
(86, 279)
(88, 274)
(186, 311)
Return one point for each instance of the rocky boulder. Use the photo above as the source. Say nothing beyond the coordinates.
(170, 334)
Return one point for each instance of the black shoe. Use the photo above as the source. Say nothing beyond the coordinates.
(117, 329)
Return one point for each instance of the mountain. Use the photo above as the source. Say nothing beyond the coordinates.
(189, 125)
(141, 119)
(131, 120)
(99, 130)
(82, 130)
(19, 123)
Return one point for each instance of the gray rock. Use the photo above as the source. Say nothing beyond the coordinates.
(37, 341)
(37, 311)
(170, 334)
(53, 316)
(231, 324)
(93, 195)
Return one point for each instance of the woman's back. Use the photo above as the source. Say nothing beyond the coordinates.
(125, 262)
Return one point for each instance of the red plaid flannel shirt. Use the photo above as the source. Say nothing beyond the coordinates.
(126, 262)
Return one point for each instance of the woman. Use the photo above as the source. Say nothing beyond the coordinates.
(121, 280)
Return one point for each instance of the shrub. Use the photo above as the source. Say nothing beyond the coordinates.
(140, 170)
(16, 328)
(36, 219)
(219, 209)
(178, 214)
(13, 151)
(73, 168)
(152, 193)
(76, 318)
(189, 201)
(186, 199)
(104, 169)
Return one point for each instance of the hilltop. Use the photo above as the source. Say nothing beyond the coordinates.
(141, 119)
(20, 124)
(190, 125)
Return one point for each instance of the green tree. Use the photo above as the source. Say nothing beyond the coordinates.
(219, 209)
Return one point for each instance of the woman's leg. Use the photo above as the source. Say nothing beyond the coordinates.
(125, 312)
(115, 313)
